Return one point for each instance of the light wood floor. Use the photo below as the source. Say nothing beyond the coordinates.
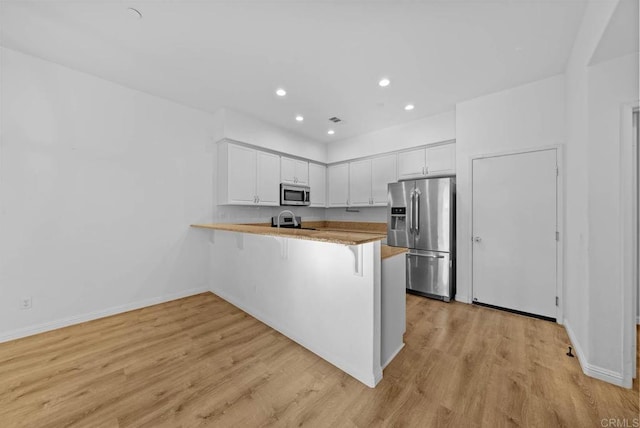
(200, 361)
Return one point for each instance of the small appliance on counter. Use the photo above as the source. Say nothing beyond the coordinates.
(287, 221)
(293, 194)
(421, 217)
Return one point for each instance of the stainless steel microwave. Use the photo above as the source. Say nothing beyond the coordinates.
(292, 194)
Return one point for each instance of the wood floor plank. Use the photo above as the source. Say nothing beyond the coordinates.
(200, 361)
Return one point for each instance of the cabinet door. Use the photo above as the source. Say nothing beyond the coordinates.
(287, 170)
(302, 172)
(411, 164)
(338, 185)
(241, 175)
(318, 184)
(383, 172)
(360, 183)
(268, 179)
(441, 160)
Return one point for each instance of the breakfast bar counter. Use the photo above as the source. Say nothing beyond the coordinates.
(345, 237)
(321, 288)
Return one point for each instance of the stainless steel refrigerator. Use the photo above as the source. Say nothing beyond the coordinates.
(421, 217)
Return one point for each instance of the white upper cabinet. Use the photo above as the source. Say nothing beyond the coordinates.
(247, 176)
(338, 185)
(383, 172)
(360, 183)
(441, 160)
(294, 171)
(250, 176)
(368, 180)
(241, 167)
(427, 162)
(267, 183)
(318, 184)
(411, 164)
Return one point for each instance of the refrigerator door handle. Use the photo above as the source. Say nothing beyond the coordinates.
(429, 256)
(411, 211)
(417, 204)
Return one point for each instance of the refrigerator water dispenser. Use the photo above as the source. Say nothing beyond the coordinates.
(398, 218)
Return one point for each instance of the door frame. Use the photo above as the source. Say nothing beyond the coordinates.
(628, 240)
(559, 217)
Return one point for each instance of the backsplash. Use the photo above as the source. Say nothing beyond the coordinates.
(249, 214)
(368, 214)
(240, 214)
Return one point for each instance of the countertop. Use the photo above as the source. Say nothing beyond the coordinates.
(345, 237)
(387, 251)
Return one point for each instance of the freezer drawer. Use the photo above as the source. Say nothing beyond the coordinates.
(430, 274)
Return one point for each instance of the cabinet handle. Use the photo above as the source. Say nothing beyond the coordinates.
(426, 170)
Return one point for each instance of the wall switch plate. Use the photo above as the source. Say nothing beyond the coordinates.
(25, 303)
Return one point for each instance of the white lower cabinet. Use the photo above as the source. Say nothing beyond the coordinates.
(247, 176)
(318, 184)
(338, 181)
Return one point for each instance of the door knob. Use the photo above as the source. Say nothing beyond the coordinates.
(477, 239)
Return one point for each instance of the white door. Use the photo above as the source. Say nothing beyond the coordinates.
(383, 172)
(268, 179)
(514, 232)
(360, 183)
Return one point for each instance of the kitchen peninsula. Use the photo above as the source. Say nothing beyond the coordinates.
(321, 288)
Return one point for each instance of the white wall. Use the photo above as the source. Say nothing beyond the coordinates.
(432, 129)
(581, 220)
(98, 186)
(611, 85)
(576, 296)
(242, 127)
(525, 117)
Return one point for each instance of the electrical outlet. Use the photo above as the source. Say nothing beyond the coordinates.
(25, 303)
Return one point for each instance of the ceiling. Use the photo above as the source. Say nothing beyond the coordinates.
(328, 55)
(621, 35)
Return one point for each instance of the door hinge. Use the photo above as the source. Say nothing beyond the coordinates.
(557, 171)
(557, 301)
(557, 236)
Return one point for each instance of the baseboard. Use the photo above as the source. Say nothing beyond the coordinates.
(386, 363)
(591, 370)
(77, 319)
(462, 299)
(364, 376)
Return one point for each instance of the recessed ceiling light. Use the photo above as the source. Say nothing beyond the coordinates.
(409, 107)
(331, 132)
(135, 13)
(384, 82)
(281, 92)
(299, 118)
